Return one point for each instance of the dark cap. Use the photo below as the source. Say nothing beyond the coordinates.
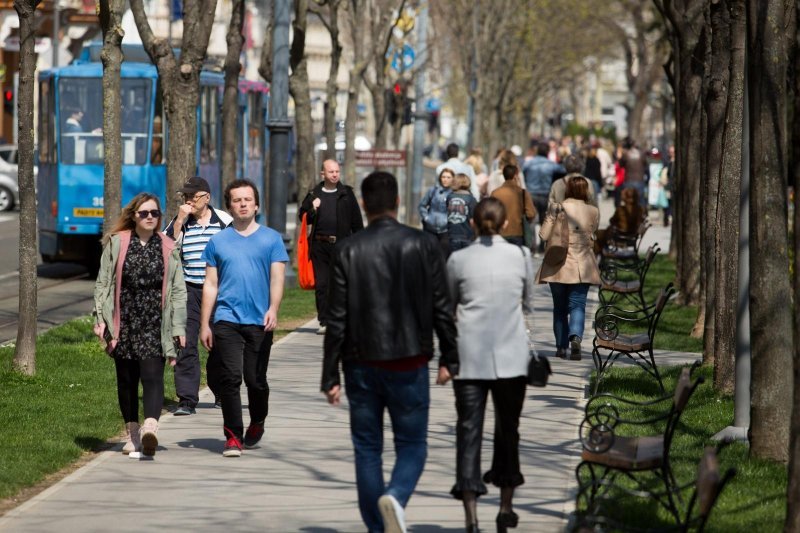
(195, 185)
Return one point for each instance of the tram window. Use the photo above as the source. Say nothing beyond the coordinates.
(209, 124)
(255, 137)
(45, 122)
(81, 120)
(158, 148)
(135, 119)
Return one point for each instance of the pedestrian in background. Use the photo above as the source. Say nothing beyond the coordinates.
(140, 314)
(493, 356)
(460, 209)
(518, 205)
(193, 226)
(388, 294)
(475, 160)
(573, 164)
(433, 208)
(496, 178)
(333, 212)
(245, 272)
(570, 281)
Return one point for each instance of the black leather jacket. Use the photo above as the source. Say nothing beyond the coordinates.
(348, 214)
(387, 293)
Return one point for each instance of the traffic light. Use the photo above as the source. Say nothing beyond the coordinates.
(8, 100)
(408, 111)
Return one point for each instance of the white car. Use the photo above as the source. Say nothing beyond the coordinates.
(9, 186)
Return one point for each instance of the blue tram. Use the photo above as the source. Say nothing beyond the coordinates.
(70, 178)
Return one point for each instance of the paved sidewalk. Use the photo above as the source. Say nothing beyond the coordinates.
(302, 476)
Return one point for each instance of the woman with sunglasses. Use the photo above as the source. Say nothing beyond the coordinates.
(140, 314)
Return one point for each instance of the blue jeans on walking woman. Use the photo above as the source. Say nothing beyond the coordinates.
(569, 311)
(406, 395)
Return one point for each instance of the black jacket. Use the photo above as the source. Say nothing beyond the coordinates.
(348, 215)
(387, 293)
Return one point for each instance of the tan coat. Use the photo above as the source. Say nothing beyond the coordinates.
(580, 265)
(510, 193)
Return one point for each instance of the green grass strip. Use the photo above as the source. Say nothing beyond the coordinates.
(49, 420)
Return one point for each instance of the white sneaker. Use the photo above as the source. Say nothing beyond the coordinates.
(394, 517)
(321, 330)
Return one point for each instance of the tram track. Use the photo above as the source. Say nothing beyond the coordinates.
(59, 300)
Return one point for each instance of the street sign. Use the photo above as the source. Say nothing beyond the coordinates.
(380, 158)
(402, 59)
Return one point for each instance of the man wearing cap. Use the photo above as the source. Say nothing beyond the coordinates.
(333, 210)
(193, 226)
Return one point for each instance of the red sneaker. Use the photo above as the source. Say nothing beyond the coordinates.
(233, 446)
(253, 435)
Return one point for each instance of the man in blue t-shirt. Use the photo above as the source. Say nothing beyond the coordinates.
(246, 264)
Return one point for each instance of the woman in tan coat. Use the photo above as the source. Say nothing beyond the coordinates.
(569, 282)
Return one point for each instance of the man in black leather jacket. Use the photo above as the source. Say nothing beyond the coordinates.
(387, 294)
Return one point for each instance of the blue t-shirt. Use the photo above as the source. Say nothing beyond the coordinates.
(243, 265)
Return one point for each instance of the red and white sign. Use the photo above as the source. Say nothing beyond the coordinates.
(380, 158)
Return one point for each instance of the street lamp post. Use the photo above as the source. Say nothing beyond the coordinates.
(279, 124)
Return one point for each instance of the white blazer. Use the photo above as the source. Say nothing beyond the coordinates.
(490, 282)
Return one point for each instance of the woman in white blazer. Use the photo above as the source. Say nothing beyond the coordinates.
(491, 282)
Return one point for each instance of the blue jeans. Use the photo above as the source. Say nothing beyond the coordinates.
(569, 311)
(405, 394)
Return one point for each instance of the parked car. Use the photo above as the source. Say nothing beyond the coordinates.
(9, 186)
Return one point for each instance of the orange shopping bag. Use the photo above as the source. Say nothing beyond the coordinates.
(305, 272)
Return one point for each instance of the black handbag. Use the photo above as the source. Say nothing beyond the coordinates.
(538, 370)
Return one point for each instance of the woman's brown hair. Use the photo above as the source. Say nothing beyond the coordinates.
(578, 188)
(629, 203)
(461, 183)
(490, 215)
(127, 218)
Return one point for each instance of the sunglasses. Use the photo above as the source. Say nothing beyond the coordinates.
(155, 213)
(194, 197)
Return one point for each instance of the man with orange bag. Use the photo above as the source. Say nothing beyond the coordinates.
(334, 214)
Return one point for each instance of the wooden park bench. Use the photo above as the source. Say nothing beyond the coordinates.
(624, 281)
(609, 344)
(623, 246)
(644, 460)
(707, 487)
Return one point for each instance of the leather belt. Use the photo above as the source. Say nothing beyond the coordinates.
(325, 238)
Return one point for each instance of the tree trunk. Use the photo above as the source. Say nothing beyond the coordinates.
(25, 348)
(111, 22)
(230, 96)
(180, 86)
(792, 523)
(331, 86)
(356, 13)
(716, 103)
(299, 89)
(636, 115)
(726, 234)
(770, 291)
(378, 93)
(691, 45)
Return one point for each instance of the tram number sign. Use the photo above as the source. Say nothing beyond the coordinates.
(380, 158)
(87, 212)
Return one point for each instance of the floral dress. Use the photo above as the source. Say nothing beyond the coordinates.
(140, 301)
